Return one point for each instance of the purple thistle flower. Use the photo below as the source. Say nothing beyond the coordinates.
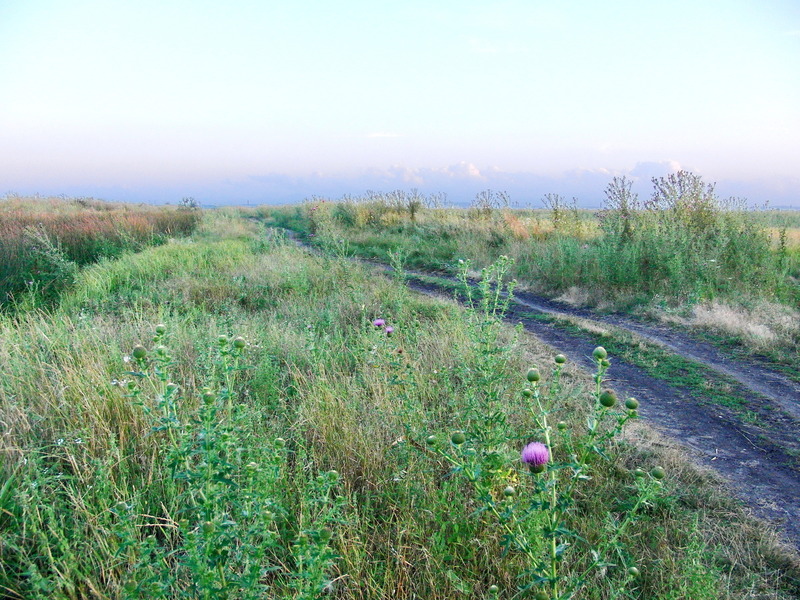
(389, 330)
(379, 322)
(536, 456)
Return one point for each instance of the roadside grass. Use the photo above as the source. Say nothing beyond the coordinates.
(43, 241)
(769, 332)
(223, 418)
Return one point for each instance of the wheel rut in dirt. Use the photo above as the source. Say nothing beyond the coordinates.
(758, 467)
(759, 379)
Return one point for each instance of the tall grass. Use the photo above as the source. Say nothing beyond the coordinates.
(230, 419)
(682, 245)
(43, 241)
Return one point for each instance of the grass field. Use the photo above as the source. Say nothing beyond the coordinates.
(690, 259)
(228, 416)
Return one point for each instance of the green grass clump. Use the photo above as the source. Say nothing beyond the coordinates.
(235, 418)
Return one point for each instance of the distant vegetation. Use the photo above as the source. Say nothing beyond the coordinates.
(43, 241)
(680, 251)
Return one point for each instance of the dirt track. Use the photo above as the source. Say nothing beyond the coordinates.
(753, 458)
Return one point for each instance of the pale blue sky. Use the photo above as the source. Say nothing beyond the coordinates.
(248, 101)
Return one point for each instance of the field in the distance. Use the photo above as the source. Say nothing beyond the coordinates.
(687, 258)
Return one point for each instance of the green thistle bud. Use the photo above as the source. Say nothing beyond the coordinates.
(208, 527)
(562, 425)
(494, 590)
(527, 393)
(541, 596)
(161, 350)
(222, 340)
(161, 329)
(430, 440)
(209, 396)
(533, 375)
(139, 352)
(599, 353)
(333, 475)
(658, 473)
(633, 572)
(280, 442)
(605, 363)
(458, 438)
(639, 473)
(608, 399)
(239, 343)
(509, 491)
(325, 534)
(560, 359)
(172, 388)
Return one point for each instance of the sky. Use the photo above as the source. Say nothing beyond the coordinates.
(254, 102)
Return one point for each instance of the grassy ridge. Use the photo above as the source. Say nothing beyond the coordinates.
(44, 241)
(296, 460)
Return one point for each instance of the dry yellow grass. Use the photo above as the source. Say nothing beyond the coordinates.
(759, 327)
(792, 236)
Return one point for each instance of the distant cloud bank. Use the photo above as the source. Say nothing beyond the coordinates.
(460, 182)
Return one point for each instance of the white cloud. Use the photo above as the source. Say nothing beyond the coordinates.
(466, 170)
(406, 175)
(648, 170)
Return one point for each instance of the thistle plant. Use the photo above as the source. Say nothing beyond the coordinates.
(536, 513)
(397, 260)
(487, 303)
(236, 528)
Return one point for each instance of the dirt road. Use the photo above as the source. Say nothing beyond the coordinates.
(755, 457)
